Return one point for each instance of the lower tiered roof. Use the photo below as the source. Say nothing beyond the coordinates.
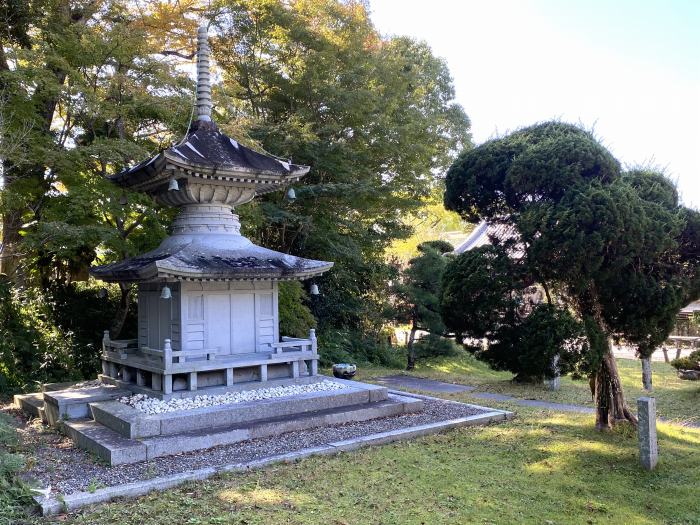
(200, 261)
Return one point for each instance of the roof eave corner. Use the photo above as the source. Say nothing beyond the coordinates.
(300, 171)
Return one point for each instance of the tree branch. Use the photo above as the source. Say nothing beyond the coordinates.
(167, 52)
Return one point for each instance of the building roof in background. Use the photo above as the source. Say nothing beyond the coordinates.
(690, 310)
(485, 233)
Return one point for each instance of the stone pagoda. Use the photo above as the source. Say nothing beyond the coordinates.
(207, 296)
(208, 366)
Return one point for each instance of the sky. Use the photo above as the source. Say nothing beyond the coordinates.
(628, 70)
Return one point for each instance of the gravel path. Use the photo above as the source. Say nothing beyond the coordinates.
(67, 469)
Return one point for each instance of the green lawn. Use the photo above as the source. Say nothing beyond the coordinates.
(676, 399)
(543, 467)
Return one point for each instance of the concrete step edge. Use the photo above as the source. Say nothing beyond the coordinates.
(31, 404)
(203, 439)
(131, 423)
(104, 442)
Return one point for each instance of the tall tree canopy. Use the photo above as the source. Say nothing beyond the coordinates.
(85, 90)
(314, 81)
(88, 87)
(616, 248)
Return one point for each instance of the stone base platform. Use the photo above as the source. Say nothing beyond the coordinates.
(114, 448)
(121, 434)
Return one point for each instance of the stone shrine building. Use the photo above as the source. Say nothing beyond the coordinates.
(207, 296)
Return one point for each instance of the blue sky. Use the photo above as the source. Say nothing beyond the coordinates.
(628, 70)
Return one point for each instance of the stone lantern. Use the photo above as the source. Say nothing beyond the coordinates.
(207, 296)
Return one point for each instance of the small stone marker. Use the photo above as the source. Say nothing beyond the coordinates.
(555, 382)
(648, 446)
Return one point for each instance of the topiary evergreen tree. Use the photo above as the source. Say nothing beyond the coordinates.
(618, 248)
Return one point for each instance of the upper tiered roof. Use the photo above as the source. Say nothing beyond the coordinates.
(208, 155)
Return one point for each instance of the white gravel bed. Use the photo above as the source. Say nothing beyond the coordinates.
(67, 469)
(152, 405)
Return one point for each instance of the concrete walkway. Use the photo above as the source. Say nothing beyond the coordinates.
(439, 387)
(419, 383)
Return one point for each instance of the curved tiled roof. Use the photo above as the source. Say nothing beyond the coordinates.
(485, 233)
(199, 261)
(208, 151)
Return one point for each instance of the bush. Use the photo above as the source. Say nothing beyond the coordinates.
(295, 317)
(691, 362)
(32, 347)
(79, 310)
(15, 496)
(55, 335)
(527, 347)
(349, 346)
(433, 345)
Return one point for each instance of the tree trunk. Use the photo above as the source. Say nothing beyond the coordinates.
(9, 258)
(411, 364)
(665, 351)
(646, 373)
(122, 311)
(609, 397)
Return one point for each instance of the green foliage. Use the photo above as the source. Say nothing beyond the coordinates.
(15, 496)
(80, 310)
(690, 362)
(433, 345)
(32, 348)
(295, 317)
(91, 88)
(352, 346)
(475, 296)
(54, 335)
(440, 246)
(85, 97)
(430, 221)
(419, 289)
(528, 347)
(374, 118)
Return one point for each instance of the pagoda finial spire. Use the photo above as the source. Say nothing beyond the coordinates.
(203, 76)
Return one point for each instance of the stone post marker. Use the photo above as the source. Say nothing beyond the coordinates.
(648, 446)
(555, 382)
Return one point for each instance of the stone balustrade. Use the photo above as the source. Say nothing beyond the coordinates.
(164, 371)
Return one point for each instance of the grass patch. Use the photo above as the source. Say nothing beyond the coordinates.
(541, 468)
(15, 496)
(676, 399)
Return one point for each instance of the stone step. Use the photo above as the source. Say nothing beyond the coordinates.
(106, 444)
(31, 404)
(42, 415)
(116, 449)
(73, 403)
(212, 437)
(132, 423)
